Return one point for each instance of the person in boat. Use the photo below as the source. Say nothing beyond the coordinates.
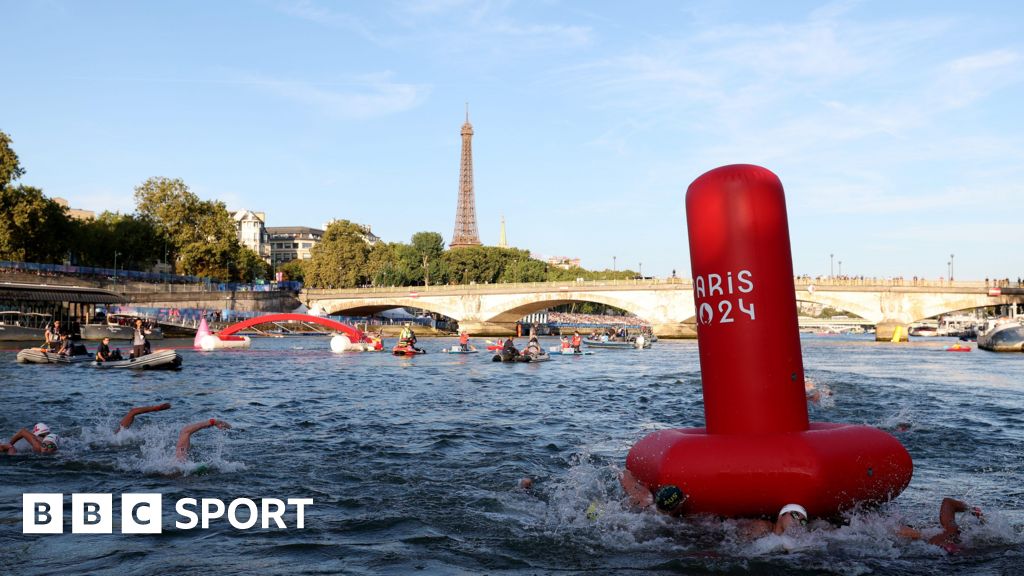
(139, 340)
(464, 341)
(509, 348)
(565, 343)
(65, 348)
(52, 335)
(40, 439)
(104, 354)
(129, 418)
(408, 338)
(576, 341)
(185, 437)
(533, 347)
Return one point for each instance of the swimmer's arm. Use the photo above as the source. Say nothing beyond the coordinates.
(947, 514)
(754, 529)
(129, 418)
(185, 438)
(29, 437)
(638, 493)
(7, 449)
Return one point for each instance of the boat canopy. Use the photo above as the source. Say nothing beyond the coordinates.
(54, 293)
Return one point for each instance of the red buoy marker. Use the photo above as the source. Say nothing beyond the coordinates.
(758, 451)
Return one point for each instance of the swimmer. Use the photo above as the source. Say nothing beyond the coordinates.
(949, 538)
(185, 438)
(790, 517)
(40, 439)
(526, 483)
(668, 500)
(129, 418)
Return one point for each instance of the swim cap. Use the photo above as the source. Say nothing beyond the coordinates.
(50, 440)
(793, 508)
(668, 497)
(40, 429)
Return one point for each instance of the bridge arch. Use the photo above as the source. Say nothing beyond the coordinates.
(520, 307)
(356, 335)
(366, 308)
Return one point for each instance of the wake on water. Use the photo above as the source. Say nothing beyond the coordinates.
(150, 448)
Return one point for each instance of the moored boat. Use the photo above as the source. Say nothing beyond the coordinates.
(157, 360)
(639, 342)
(23, 326)
(1002, 335)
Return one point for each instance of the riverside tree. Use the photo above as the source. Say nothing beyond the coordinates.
(200, 233)
(33, 227)
(339, 259)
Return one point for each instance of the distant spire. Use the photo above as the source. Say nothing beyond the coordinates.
(502, 241)
(467, 111)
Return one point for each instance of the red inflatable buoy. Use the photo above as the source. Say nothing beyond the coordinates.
(758, 451)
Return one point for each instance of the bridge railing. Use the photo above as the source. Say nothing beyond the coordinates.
(799, 282)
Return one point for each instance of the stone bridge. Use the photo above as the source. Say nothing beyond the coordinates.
(493, 309)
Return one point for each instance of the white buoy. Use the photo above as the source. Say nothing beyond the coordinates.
(340, 343)
(214, 342)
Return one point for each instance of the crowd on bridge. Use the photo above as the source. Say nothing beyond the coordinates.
(571, 319)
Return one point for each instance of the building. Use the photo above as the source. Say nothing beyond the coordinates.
(252, 231)
(76, 213)
(289, 243)
(563, 262)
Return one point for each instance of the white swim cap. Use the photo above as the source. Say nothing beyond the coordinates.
(793, 508)
(40, 429)
(51, 440)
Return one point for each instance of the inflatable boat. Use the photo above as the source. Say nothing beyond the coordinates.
(157, 360)
(40, 356)
(457, 350)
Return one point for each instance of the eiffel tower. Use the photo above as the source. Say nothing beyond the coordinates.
(465, 215)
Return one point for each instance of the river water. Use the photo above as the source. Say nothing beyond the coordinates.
(413, 463)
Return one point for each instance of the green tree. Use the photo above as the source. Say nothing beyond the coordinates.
(250, 266)
(339, 259)
(203, 236)
(427, 250)
(136, 240)
(293, 270)
(10, 167)
(33, 228)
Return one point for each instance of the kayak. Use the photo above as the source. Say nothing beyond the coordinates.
(571, 352)
(40, 356)
(407, 351)
(157, 360)
(504, 357)
(958, 348)
(457, 350)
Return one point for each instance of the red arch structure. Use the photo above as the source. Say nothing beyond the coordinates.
(354, 334)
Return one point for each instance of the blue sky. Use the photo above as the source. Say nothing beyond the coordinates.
(896, 127)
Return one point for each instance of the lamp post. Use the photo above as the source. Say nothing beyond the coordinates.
(950, 267)
(840, 267)
(641, 270)
(116, 254)
(613, 263)
(831, 265)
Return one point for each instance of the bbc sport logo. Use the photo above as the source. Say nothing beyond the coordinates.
(143, 513)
